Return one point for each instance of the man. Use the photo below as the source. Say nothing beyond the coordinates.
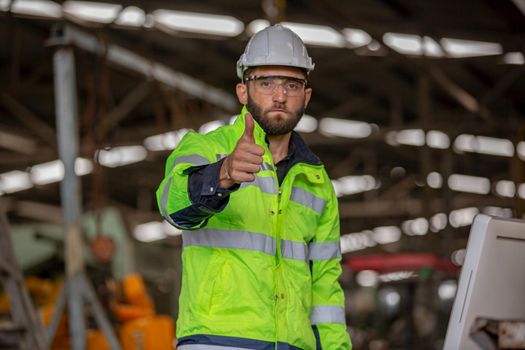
(261, 254)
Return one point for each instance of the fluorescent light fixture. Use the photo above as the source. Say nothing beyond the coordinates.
(357, 37)
(411, 137)
(344, 128)
(354, 184)
(462, 217)
(520, 148)
(468, 48)
(40, 8)
(498, 211)
(458, 257)
(520, 4)
(352, 242)
(484, 145)
(407, 44)
(210, 126)
(14, 181)
(415, 227)
(83, 166)
(307, 124)
(435, 180)
(514, 58)
(119, 156)
(438, 222)
(367, 278)
(131, 16)
(521, 191)
(394, 277)
(46, 173)
(506, 188)
(256, 26)
(165, 142)
(438, 139)
(4, 5)
(431, 48)
(467, 183)
(447, 290)
(100, 12)
(386, 234)
(316, 34)
(149, 232)
(201, 23)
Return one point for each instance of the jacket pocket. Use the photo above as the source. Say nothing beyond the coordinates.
(210, 286)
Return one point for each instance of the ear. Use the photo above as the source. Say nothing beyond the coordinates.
(307, 96)
(242, 93)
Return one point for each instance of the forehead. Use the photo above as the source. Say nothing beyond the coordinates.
(278, 70)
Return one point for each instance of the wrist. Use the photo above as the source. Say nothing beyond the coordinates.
(225, 180)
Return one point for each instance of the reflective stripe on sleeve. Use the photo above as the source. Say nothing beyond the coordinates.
(215, 238)
(193, 159)
(164, 202)
(306, 198)
(324, 250)
(293, 250)
(327, 314)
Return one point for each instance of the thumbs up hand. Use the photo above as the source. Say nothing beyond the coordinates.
(245, 160)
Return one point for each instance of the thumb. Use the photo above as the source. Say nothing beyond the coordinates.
(248, 128)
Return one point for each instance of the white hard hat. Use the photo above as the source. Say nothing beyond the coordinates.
(275, 46)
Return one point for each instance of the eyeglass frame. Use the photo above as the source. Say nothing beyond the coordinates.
(304, 82)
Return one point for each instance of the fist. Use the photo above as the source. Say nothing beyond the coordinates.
(245, 160)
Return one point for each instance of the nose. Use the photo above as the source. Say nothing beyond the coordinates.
(279, 94)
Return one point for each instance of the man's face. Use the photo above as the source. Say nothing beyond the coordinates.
(276, 111)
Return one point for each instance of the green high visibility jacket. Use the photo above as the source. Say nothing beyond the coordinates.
(263, 272)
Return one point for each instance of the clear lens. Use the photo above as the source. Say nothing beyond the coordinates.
(267, 85)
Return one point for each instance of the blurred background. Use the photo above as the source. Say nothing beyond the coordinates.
(418, 114)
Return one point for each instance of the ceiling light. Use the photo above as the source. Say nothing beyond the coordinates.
(354, 184)
(469, 48)
(131, 16)
(458, 257)
(210, 126)
(357, 37)
(386, 234)
(367, 278)
(396, 276)
(45, 173)
(447, 290)
(438, 222)
(4, 5)
(202, 23)
(344, 128)
(462, 217)
(520, 148)
(411, 137)
(435, 180)
(467, 183)
(498, 211)
(408, 44)
(415, 227)
(170, 230)
(317, 35)
(83, 166)
(149, 232)
(438, 139)
(119, 156)
(514, 58)
(352, 242)
(92, 11)
(307, 124)
(521, 191)
(14, 181)
(40, 8)
(165, 142)
(506, 188)
(431, 48)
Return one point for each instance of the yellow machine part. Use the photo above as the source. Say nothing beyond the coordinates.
(148, 333)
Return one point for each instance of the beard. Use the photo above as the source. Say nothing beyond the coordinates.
(275, 126)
